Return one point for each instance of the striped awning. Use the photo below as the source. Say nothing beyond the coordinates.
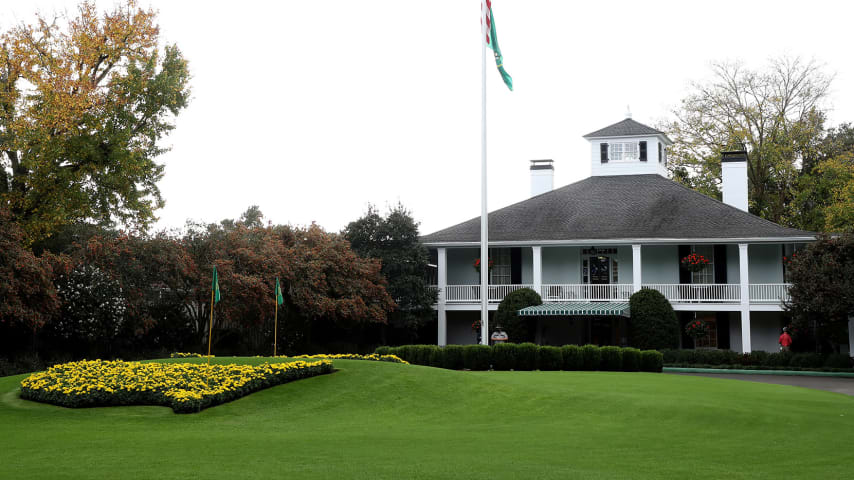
(577, 308)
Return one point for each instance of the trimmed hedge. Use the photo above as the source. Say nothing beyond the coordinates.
(572, 359)
(526, 356)
(651, 360)
(612, 358)
(631, 359)
(591, 358)
(755, 360)
(549, 358)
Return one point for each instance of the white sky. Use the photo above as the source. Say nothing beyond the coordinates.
(313, 109)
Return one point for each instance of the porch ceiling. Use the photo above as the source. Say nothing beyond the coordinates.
(577, 308)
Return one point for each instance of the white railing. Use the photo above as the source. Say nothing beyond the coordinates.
(698, 293)
(769, 292)
(612, 292)
(471, 293)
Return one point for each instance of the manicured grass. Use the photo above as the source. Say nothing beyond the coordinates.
(383, 420)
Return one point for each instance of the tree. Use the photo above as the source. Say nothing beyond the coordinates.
(824, 198)
(507, 316)
(653, 325)
(84, 102)
(393, 239)
(822, 292)
(777, 114)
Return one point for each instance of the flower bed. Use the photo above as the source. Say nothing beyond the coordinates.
(353, 356)
(185, 387)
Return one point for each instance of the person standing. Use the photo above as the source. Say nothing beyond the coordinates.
(785, 340)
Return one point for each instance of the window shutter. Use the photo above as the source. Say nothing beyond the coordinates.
(516, 266)
(659, 152)
(642, 151)
(603, 152)
(684, 275)
(720, 263)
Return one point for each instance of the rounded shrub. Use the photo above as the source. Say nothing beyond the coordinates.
(504, 356)
(651, 361)
(612, 358)
(549, 358)
(383, 350)
(517, 328)
(591, 357)
(653, 323)
(477, 357)
(526, 356)
(453, 357)
(437, 357)
(631, 359)
(572, 359)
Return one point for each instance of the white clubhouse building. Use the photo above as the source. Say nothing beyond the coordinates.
(586, 247)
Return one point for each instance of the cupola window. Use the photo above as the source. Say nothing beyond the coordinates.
(622, 151)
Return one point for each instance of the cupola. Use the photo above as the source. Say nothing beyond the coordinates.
(628, 148)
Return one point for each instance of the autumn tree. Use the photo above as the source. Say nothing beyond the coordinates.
(393, 239)
(777, 114)
(824, 198)
(84, 102)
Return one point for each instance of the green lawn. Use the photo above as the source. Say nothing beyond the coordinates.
(383, 420)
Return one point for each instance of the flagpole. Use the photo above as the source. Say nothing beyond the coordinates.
(484, 220)
(210, 329)
(276, 323)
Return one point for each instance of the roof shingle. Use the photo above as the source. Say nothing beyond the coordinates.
(625, 128)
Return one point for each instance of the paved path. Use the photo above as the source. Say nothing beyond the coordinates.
(831, 384)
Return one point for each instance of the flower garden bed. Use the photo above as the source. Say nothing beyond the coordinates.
(353, 356)
(185, 387)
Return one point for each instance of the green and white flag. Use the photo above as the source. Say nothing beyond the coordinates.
(215, 287)
(279, 299)
(491, 39)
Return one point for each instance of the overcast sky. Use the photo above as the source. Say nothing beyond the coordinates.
(313, 109)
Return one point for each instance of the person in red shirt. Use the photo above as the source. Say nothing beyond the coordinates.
(785, 340)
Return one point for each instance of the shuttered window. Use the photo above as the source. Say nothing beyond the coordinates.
(603, 152)
(642, 151)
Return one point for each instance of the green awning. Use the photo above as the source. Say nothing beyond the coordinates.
(577, 308)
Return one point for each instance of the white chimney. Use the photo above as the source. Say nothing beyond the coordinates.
(734, 178)
(542, 176)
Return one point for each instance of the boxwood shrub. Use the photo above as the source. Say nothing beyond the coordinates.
(572, 358)
(526, 356)
(549, 358)
(453, 357)
(591, 357)
(504, 356)
(382, 350)
(477, 357)
(612, 358)
(631, 359)
(651, 361)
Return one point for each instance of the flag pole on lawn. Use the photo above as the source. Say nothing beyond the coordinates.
(488, 39)
(279, 301)
(214, 300)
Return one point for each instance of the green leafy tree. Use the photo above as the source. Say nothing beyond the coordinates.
(506, 316)
(393, 239)
(777, 114)
(84, 102)
(822, 292)
(824, 198)
(653, 324)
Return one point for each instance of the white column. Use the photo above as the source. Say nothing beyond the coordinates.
(636, 268)
(744, 280)
(537, 255)
(443, 284)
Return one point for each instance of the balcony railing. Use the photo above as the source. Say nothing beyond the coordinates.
(698, 293)
(676, 293)
(769, 292)
(607, 293)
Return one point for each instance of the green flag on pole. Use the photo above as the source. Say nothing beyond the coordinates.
(492, 42)
(279, 299)
(215, 287)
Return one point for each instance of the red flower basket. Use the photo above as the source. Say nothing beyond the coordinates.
(697, 329)
(694, 262)
(477, 265)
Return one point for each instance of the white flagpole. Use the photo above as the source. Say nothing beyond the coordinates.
(484, 220)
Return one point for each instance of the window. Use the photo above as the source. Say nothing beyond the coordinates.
(500, 273)
(707, 274)
(710, 340)
(623, 151)
(660, 153)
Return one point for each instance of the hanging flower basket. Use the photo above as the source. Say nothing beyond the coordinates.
(697, 329)
(694, 262)
(477, 265)
(475, 326)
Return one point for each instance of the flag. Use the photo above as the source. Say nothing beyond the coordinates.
(279, 299)
(215, 287)
(491, 39)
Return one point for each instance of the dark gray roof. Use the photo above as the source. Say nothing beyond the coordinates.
(627, 127)
(617, 207)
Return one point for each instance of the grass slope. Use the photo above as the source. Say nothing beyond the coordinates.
(381, 420)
